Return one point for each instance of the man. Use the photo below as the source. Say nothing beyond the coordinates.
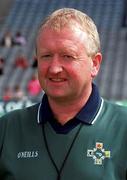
(73, 133)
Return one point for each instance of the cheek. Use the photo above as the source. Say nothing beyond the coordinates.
(41, 75)
(76, 73)
(83, 72)
(41, 69)
(82, 69)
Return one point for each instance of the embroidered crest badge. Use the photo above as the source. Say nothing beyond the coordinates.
(98, 154)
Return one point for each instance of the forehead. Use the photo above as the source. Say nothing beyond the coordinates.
(65, 35)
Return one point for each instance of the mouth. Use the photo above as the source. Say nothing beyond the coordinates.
(57, 79)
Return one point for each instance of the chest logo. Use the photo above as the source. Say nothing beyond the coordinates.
(27, 154)
(98, 154)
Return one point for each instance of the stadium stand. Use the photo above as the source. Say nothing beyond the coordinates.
(5, 6)
(26, 15)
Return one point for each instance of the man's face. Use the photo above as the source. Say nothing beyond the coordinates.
(64, 68)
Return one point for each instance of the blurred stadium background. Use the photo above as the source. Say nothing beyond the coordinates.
(26, 15)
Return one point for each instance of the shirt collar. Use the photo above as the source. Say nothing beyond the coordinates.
(92, 108)
(88, 114)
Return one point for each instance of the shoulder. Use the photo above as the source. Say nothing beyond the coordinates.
(21, 113)
(114, 110)
(19, 116)
(114, 106)
(16, 120)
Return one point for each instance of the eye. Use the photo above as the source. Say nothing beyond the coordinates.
(68, 57)
(45, 56)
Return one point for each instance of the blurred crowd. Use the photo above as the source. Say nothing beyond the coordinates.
(8, 40)
(33, 89)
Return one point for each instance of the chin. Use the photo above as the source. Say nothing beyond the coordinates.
(55, 93)
(57, 96)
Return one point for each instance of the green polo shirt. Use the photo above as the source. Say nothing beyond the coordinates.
(89, 151)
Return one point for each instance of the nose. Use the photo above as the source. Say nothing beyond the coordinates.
(55, 65)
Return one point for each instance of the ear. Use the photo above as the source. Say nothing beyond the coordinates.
(96, 64)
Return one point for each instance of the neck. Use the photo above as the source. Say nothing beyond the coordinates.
(66, 110)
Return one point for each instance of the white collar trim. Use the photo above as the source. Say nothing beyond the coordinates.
(99, 111)
(38, 114)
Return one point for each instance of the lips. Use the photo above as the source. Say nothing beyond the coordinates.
(57, 79)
